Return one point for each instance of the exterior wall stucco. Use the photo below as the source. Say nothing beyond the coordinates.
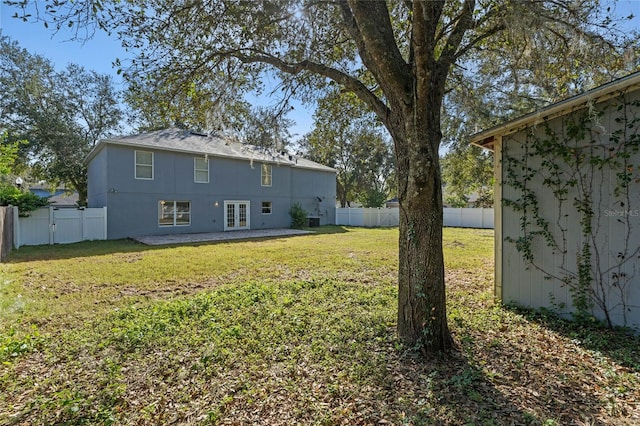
(97, 180)
(316, 193)
(539, 285)
(133, 203)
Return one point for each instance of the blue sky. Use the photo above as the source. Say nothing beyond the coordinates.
(100, 52)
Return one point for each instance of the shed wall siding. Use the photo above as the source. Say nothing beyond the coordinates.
(528, 285)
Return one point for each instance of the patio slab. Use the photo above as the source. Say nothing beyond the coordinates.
(158, 240)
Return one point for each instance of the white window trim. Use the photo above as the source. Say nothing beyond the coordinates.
(262, 174)
(135, 165)
(196, 170)
(270, 207)
(160, 202)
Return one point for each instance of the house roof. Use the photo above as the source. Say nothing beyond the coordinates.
(178, 140)
(64, 199)
(486, 138)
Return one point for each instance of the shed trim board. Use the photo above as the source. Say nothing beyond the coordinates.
(486, 138)
(497, 217)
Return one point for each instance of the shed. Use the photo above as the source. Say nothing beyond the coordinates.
(567, 205)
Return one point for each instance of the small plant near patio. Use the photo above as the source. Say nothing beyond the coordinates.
(298, 216)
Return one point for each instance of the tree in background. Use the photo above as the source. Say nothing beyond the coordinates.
(466, 171)
(8, 155)
(399, 58)
(209, 107)
(9, 193)
(531, 73)
(61, 115)
(208, 103)
(347, 137)
(266, 128)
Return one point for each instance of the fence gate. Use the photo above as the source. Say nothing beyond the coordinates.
(60, 226)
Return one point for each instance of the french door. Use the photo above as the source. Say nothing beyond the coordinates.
(236, 215)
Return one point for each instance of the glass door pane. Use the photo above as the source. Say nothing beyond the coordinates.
(242, 217)
(231, 215)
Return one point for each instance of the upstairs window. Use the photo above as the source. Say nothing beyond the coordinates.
(200, 170)
(266, 175)
(144, 165)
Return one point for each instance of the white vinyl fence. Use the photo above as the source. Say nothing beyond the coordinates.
(50, 225)
(372, 217)
(369, 217)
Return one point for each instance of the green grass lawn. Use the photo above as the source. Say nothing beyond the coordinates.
(297, 330)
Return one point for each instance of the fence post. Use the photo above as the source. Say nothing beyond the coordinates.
(104, 221)
(83, 225)
(17, 237)
(52, 226)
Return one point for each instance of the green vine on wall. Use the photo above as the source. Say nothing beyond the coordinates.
(581, 168)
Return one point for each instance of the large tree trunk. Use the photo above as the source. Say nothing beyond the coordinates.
(422, 318)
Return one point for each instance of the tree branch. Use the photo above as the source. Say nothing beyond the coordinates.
(464, 23)
(370, 27)
(476, 40)
(348, 82)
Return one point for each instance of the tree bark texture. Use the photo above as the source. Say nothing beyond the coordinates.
(422, 317)
(414, 92)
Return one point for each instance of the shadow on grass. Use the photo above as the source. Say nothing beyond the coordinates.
(451, 390)
(619, 344)
(99, 248)
(523, 380)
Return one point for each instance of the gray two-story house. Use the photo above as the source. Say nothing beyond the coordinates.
(176, 181)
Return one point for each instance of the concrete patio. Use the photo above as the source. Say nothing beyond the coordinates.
(158, 240)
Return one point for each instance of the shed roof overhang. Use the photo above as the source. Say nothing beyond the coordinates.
(486, 139)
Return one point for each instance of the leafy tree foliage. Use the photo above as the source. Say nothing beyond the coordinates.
(348, 137)
(8, 154)
(198, 107)
(61, 114)
(399, 58)
(468, 170)
(266, 127)
(25, 201)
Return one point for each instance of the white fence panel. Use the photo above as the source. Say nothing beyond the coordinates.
(350, 216)
(32, 230)
(453, 217)
(94, 224)
(50, 225)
